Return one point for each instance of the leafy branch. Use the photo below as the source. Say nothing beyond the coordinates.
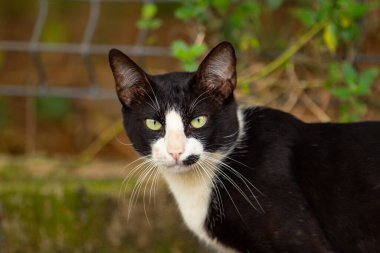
(286, 55)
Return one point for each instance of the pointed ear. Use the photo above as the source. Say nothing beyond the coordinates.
(131, 81)
(217, 72)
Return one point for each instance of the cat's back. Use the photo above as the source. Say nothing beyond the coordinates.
(336, 168)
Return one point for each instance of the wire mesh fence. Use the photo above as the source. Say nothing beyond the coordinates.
(86, 48)
(38, 61)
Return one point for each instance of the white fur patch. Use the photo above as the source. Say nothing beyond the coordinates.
(191, 188)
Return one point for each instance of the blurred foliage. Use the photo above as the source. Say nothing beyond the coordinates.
(343, 18)
(343, 28)
(53, 108)
(348, 85)
(241, 24)
(188, 54)
(148, 18)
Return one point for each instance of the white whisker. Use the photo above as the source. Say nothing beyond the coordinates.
(228, 193)
(209, 173)
(137, 188)
(244, 180)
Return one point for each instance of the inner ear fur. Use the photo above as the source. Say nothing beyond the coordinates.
(217, 72)
(130, 80)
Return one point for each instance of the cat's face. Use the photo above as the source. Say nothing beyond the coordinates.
(178, 119)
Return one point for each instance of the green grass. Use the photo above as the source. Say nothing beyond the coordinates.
(62, 212)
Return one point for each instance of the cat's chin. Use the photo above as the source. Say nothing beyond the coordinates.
(176, 168)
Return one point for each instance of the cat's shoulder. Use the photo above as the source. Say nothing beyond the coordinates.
(264, 112)
(270, 124)
(260, 115)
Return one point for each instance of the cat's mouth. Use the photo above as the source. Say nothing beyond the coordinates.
(185, 165)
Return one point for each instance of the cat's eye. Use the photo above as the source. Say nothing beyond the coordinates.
(153, 124)
(199, 121)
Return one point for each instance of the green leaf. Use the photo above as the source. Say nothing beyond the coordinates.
(197, 50)
(188, 54)
(179, 49)
(357, 10)
(306, 16)
(149, 24)
(192, 10)
(190, 66)
(369, 76)
(349, 34)
(149, 11)
(341, 93)
(350, 75)
(366, 80)
(147, 20)
(334, 72)
(330, 37)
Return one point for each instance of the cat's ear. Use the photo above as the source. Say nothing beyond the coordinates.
(217, 72)
(131, 81)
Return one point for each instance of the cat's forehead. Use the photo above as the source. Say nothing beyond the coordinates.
(173, 89)
(173, 80)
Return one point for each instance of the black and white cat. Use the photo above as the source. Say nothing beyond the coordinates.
(255, 179)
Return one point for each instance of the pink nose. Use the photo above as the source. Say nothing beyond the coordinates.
(176, 155)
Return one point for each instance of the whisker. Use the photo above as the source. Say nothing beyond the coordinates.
(207, 171)
(194, 103)
(229, 195)
(232, 135)
(130, 175)
(137, 188)
(151, 173)
(155, 97)
(234, 184)
(122, 143)
(240, 163)
(154, 186)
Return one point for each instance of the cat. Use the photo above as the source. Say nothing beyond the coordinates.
(252, 179)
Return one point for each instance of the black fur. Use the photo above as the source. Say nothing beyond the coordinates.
(318, 185)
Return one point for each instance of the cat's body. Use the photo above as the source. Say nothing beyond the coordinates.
(254, 179)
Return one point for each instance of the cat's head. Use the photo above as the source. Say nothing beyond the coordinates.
(179, 119)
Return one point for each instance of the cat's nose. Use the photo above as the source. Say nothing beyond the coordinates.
(176, 155)
(175, 144)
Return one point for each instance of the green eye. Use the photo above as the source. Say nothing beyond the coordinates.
(153, 124)
(199, 122)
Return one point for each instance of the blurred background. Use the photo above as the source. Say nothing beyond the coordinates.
(63, 153)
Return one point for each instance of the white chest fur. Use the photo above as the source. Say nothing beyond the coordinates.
(192, 194)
